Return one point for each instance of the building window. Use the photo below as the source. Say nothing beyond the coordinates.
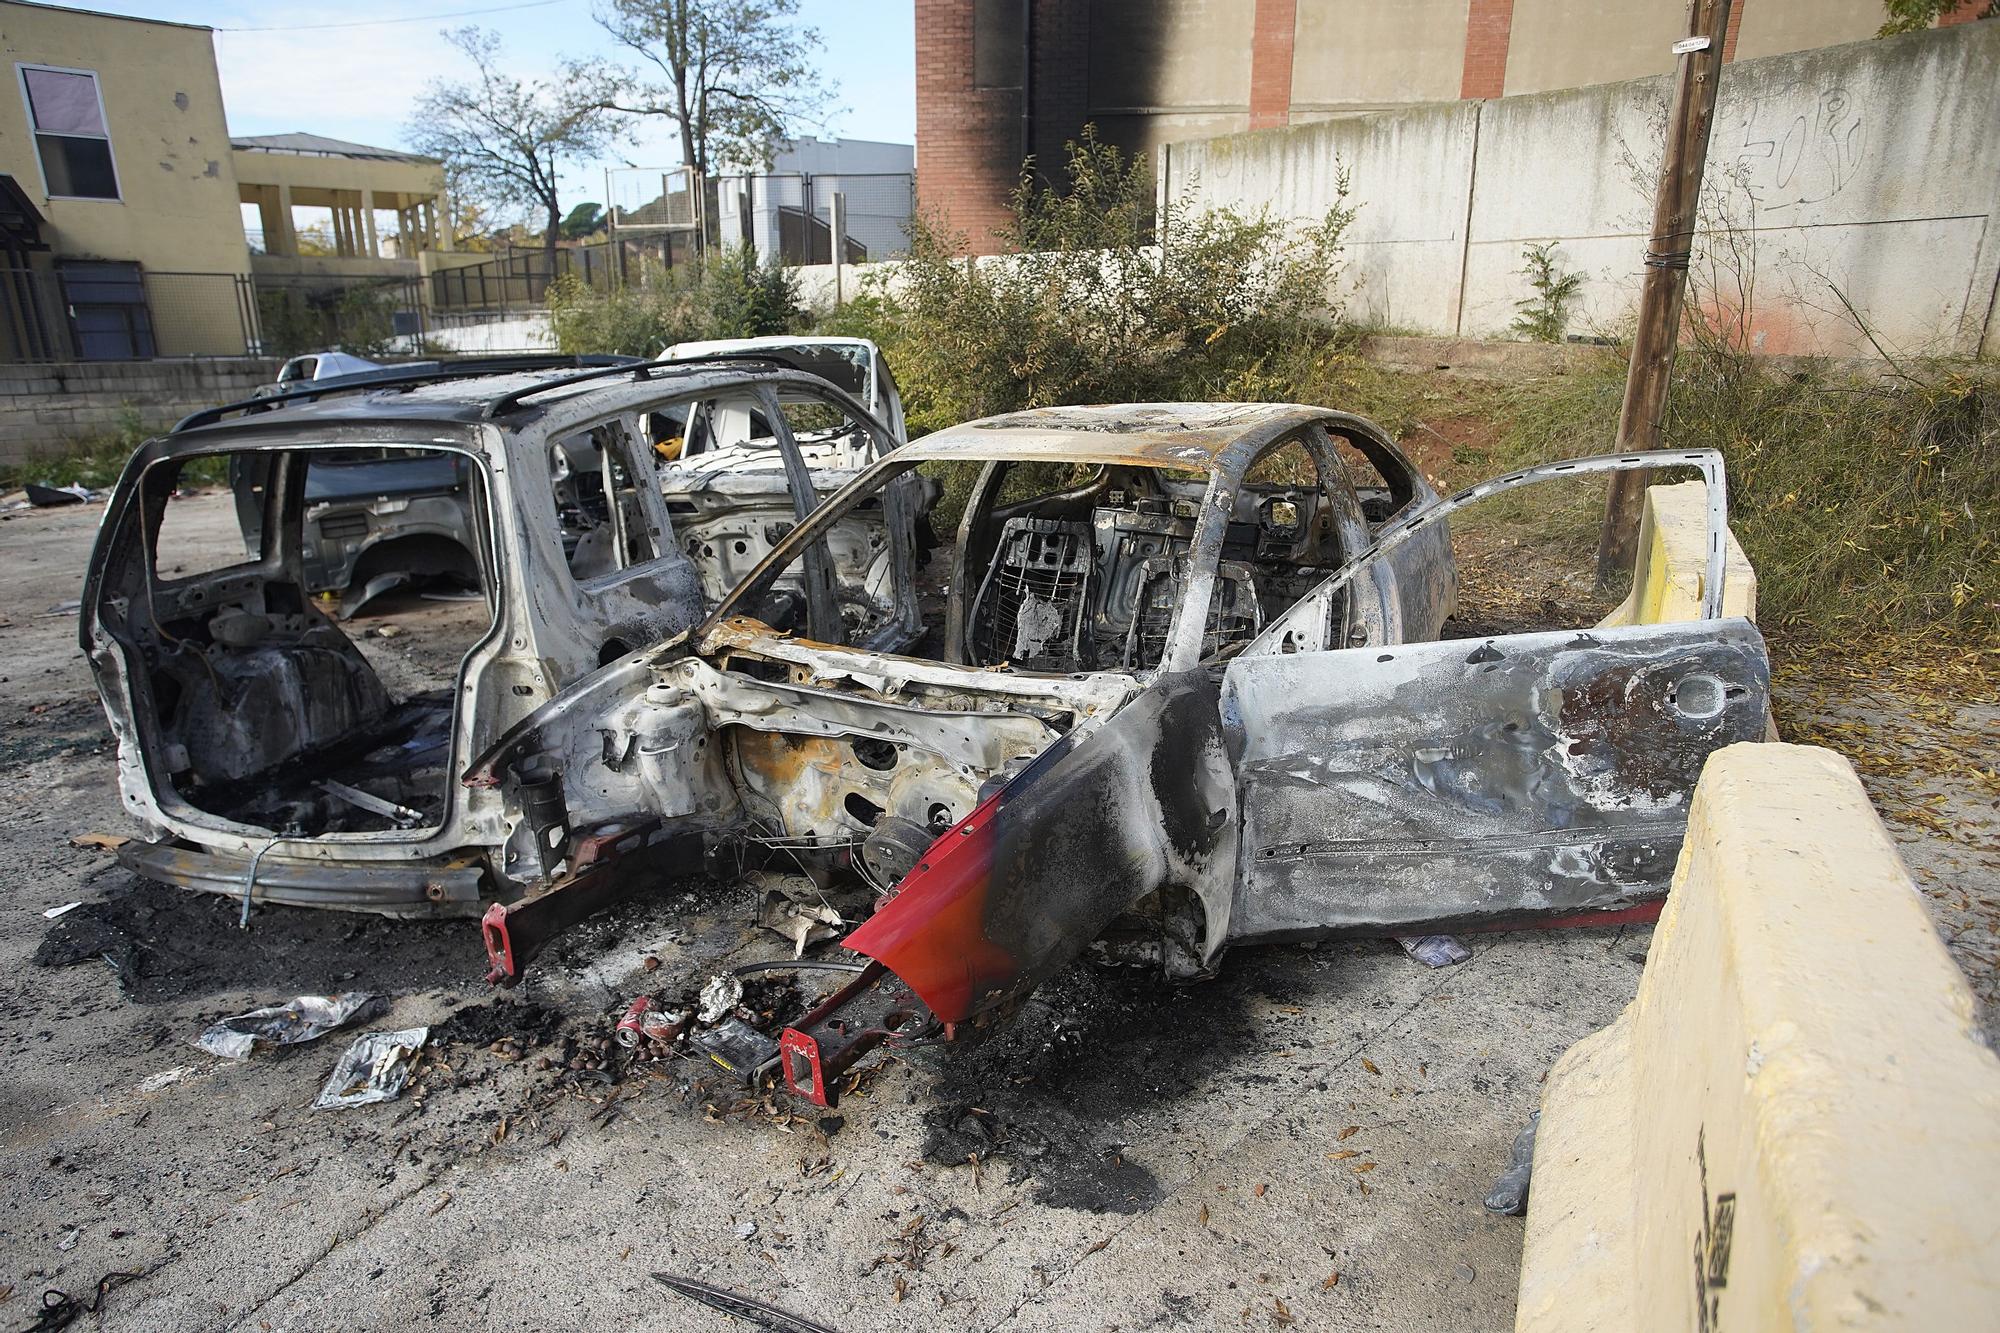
(107, 310)
(66, 114)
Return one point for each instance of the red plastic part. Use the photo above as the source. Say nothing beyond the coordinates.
(799, 1054)
(933, 934)
(499, 948)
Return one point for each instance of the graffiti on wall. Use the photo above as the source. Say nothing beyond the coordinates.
(1791, 157)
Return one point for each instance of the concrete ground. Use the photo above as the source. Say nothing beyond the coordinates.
(1303, 1141)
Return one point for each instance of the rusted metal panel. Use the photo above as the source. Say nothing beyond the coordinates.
(1466, 783)
(395, 888)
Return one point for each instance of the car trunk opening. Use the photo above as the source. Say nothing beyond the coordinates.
(258, 706)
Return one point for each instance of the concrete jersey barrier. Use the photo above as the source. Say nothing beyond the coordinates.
(1795, 1123)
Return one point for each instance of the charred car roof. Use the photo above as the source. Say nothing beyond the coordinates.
(1193, 436)
(474, 397)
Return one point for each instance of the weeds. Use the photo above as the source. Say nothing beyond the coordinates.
(1544, 317)
(1104, 302)
(94, 461)
(1867, 504)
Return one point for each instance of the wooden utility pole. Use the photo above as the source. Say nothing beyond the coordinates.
(1689, 120)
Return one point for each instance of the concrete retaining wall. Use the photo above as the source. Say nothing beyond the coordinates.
(44, 408)
(1794, 1124)
(1868, 171)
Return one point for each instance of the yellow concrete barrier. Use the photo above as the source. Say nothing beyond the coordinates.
(1794, 1125)
(1672, 559)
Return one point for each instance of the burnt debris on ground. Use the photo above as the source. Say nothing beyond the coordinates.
(1056, 1096)
(169, 944)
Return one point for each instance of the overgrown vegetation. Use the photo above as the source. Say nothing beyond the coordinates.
(1105, 302)
(357, 319)
(1869, 505)
(731, 295)
(1544, 317)
(96, 460)
(1917, 15)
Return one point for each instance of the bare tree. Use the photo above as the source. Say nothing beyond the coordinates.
(732, 75)
(501, 138)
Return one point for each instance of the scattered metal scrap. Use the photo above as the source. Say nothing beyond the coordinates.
(747, 1308)
(373, 1069)
(304, 1019)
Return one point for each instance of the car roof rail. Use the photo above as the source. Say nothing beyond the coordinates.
(410, 375)
(513, 398)
(644, 370)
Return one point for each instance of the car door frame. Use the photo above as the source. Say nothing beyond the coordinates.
(1376, 784)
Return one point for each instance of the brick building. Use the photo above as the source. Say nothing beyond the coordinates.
(999, 81)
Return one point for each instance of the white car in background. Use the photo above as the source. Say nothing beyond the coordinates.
(854, 364)
(723, 473)
(314, 366)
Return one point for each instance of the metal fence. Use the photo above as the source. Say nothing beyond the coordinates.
(519, 280)
(112, 311)
(308, 313)
(59, 310)
(788, 216)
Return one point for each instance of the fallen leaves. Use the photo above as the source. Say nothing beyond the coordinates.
(1369, 1065)
(1347, 1133)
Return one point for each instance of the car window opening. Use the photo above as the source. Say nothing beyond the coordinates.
(1062, 569)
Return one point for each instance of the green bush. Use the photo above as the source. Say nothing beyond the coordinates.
(1104, 302)
(1544, 317)
(730, 295)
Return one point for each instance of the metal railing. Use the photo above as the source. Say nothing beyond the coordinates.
(120, 312)
(308, 313)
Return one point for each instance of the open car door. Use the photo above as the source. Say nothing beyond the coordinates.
(1538, 778)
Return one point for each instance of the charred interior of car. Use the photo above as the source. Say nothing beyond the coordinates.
(1088, 577)
(264, 710)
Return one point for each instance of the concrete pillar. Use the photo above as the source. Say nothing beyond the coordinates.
(287, 242)
(368, 223)
(270, 219)
(836, 227)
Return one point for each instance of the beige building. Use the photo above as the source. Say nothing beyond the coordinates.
(125, 238)
(278, 173)
(122, 200)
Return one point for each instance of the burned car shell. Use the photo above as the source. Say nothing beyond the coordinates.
(547, 630)
(1347, 772)
(854, 364)
(959, 728)
(726, 484)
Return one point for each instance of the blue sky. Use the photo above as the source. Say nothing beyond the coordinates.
(357, 82)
